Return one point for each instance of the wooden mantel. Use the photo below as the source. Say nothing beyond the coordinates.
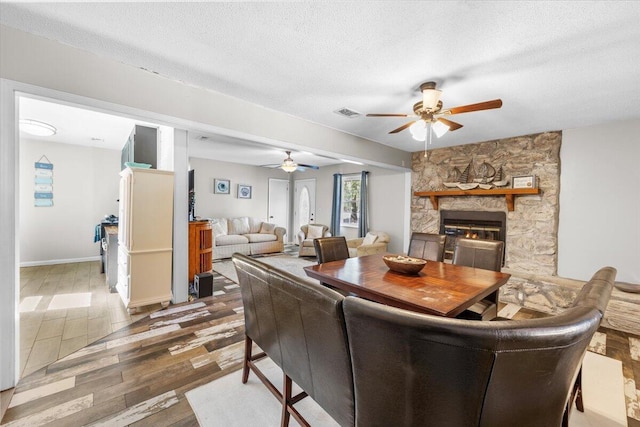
(508, 193)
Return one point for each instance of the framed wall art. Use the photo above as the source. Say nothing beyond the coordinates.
(221, 186)
(244, 191)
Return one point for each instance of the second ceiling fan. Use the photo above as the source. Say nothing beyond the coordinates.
(429, 113)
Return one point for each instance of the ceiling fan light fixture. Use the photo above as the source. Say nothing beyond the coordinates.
(439, 128)
(288, 165)
(34, 127)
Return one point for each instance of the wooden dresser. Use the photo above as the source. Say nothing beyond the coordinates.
(200, 248)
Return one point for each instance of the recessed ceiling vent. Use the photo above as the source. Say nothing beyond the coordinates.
(347, 113)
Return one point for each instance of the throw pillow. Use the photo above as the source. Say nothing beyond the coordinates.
(369, 239)
(314, 231)
(217, 229)
(239, 226)
(267, 228)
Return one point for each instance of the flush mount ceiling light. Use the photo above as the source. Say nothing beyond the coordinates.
(288, 165)
(34, 127)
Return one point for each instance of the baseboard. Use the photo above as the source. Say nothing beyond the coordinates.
(58, 261)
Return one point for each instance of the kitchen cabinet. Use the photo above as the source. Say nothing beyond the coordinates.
(145, 237)
(141, 147)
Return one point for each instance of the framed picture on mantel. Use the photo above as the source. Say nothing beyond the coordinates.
(525, 181)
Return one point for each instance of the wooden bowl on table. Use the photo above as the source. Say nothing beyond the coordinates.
(404, 264)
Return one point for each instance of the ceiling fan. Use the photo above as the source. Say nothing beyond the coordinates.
(289, 166)
(429, 113)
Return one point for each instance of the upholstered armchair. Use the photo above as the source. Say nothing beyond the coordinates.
(306, 235)
(374, 242)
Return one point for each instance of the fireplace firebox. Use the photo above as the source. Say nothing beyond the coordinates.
(472, 224)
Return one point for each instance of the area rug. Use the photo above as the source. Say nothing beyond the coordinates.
(291, 264)
(226, 402)
(229, 403)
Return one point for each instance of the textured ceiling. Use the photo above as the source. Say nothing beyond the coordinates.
(556, 65)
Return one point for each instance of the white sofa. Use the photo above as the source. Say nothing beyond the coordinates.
(246, 235)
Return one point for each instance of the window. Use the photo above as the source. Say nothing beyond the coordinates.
(350, 210)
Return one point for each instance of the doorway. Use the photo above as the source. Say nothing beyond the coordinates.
(65, 302)
(278, 209)
(304, 202)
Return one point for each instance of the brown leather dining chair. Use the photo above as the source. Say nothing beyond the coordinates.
(479, 253)
(413, 369)
(300, 326)
(427, 246)
(331, 248)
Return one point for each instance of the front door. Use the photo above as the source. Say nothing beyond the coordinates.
(304, 202)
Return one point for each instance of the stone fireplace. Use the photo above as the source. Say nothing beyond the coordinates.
(531, 230)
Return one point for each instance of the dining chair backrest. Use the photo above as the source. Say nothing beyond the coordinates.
(427, 246)
(412, 369)
(478, 253)
(331, 248)
(300, 326)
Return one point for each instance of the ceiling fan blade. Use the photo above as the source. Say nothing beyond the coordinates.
(388, 115)
(452, 125)
(487, 105)
(308, 166)
(403, 127)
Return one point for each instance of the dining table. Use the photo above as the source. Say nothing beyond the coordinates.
(440, 288)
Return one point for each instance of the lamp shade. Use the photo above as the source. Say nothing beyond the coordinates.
(430, 98)
(439, 128)
(289, 166)
(418, 130)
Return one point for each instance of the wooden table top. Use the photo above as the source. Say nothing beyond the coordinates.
(441, 289)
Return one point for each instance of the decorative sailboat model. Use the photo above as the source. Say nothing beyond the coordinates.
(498, 180)
(464, 183)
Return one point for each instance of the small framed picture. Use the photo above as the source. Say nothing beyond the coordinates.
(244, 191)
(221, 186)
(525, 181)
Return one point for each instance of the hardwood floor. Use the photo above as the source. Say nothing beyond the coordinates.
(139, 374)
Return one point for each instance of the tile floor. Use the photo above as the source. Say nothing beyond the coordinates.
(63, 308)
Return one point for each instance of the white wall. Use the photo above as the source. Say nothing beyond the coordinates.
(85, 189)
(600, 201)
(211, 205)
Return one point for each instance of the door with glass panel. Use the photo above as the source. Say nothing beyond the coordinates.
(304, 202)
